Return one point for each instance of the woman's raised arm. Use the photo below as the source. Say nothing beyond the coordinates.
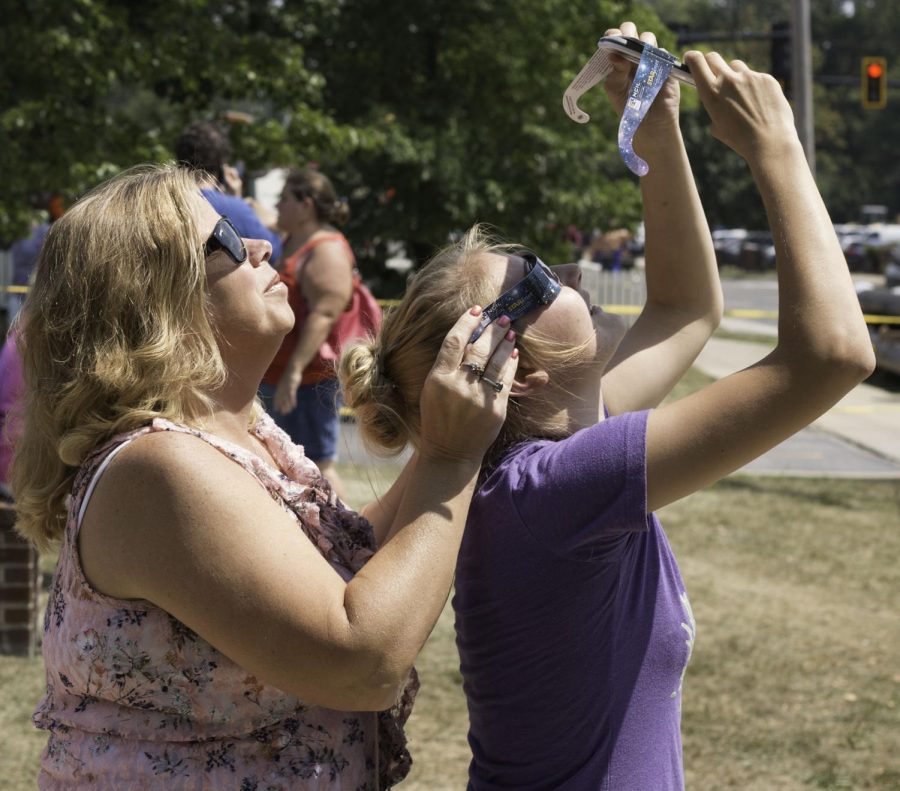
(823, 348)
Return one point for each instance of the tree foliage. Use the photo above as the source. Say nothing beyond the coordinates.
(856, 162)
(430, 116)
(93, 86)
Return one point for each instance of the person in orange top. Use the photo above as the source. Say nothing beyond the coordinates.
(300, 388)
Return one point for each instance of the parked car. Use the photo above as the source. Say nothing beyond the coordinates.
(757, 251)
(727, 244)
(885, 334)
(892, 267)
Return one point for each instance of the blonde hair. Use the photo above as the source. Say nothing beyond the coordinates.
(116, 332)
(382, 378)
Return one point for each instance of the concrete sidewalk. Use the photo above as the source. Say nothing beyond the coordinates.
(858, 437)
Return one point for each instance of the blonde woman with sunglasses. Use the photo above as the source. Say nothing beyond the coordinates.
(218, 619)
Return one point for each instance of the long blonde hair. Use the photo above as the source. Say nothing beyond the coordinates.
(382, 379)
(116, 332)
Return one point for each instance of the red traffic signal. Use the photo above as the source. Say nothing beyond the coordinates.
(873, 87)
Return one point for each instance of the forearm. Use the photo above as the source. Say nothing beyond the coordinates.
(401, 591)
(312, 335)
(382, 512)
(819, 317)
(680, 261)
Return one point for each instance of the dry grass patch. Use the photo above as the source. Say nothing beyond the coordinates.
(794, 681)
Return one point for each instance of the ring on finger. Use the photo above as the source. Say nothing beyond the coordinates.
(475, 368)
(497, 386)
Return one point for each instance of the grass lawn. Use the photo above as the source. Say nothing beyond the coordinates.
(794, 681)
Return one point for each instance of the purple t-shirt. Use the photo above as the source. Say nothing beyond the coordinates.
(572, 621)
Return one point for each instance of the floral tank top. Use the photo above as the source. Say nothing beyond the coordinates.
(136, 700)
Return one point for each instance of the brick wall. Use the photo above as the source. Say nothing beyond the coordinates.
(18, 589)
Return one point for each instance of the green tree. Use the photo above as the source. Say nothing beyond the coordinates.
(466, 96)
(92, 86)
(431, 116)
(856, 161)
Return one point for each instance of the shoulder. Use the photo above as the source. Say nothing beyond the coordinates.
(240, 213)
(329, 266)
(330, 245)
(167, 492)
(606, 444)
(171, 470)
(222, 202)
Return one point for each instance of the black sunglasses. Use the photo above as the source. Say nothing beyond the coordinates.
(539, 287)
(226, 237)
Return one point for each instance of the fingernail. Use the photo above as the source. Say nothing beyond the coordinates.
(475, 310)
(503, 321)
(511, 335)
(514, 353)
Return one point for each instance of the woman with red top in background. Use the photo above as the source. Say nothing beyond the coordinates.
(300, 388)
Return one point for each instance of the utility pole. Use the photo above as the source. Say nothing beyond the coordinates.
(802, 79)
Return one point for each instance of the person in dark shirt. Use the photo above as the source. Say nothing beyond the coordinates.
(204, 147)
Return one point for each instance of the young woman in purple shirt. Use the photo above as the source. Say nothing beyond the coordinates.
(573, 623)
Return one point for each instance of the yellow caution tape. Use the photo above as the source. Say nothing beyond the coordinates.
(619, 310)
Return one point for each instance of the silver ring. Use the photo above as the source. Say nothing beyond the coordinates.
(497, 386)
(475, 368)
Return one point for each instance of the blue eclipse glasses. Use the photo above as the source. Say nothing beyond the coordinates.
(226, 237)
(539, 287)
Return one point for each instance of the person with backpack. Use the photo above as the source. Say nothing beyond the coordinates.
(331, 308)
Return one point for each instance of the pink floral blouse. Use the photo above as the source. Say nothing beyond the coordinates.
(136, 700)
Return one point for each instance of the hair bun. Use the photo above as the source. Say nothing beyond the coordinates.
(374, 398)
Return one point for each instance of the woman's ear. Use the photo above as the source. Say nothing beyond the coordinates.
(528, 383)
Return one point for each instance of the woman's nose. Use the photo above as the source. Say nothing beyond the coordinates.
(258, 250)
(568, 274)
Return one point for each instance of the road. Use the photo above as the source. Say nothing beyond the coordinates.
(761, 293)
(753, 294)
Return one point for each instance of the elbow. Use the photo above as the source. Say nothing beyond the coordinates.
(713, 318)
(378, 684)
(844, 359)
(715, 310)
(376, 669)
(852, 354)
(851, 370)
(383, 692)
(718, 312)
(349, 682)
(863, 362)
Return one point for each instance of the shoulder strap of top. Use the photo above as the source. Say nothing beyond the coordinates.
(294, 264)
(309, 244)
(95, 478)
(97, 463)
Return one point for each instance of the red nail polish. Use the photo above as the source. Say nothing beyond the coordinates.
(475, 310)
(503, 321)
(514, 354)
(511, 335)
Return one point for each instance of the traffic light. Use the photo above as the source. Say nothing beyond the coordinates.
(782, 65)
(873, 83)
